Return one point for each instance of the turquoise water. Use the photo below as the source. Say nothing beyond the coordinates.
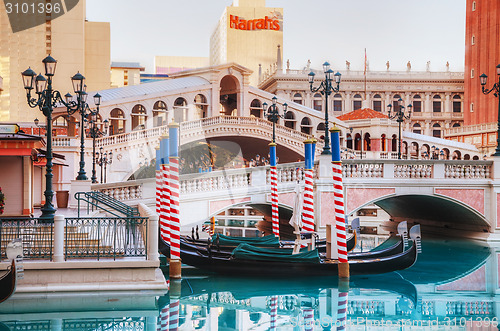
(452, 286)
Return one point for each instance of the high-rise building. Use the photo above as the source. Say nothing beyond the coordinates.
(76, 44)
(249, 33)
(482, 55)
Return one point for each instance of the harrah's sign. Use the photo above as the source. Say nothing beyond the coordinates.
(265, 23)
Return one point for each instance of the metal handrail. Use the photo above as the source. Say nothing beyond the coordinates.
(98, 200)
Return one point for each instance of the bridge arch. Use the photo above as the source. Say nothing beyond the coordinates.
(432, 211)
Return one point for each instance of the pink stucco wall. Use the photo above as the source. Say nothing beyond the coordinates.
(475, 281)
(471, 197)
(221, 204)
(356, 197)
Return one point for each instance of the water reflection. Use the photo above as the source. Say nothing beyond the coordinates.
(453, 283)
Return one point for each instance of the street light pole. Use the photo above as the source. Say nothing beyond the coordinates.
(326, 88)
(272, 114)
(400, 116)
(95, 132)
(496, 93)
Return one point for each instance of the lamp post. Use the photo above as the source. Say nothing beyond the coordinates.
(96, 132)
(103, 159)
(400, 116)
(496, 93)
(46, 99)
(272, 114)
(326, 88)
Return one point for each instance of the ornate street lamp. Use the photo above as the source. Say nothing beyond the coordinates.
(103, 159)
(272, 114)
(327, 87)
(400, 116)
(46, 99)
(96, 131)
(496, 93)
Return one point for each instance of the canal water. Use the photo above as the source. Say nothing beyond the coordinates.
(453, 286)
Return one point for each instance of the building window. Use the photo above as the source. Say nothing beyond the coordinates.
(290, 120)
(417, 104)
(318, 102)
(256, 108)
(377, 102)
(337, 102)
(473, 6)
(417, 128)
(436, 130)
(139, 117)
(297, 98)
(159, 114)
(357, 103)
(436, 104)
(457, 104)
(472, 73)
(473, 40)
(305, 125)
(472, 107)
(200, 102)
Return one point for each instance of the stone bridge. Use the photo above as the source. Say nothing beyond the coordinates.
(456, 196)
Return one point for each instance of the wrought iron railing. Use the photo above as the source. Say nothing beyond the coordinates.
(37, 237)
(98, 200)
(105, 237)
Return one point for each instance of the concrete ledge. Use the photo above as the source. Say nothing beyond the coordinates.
(84, 264)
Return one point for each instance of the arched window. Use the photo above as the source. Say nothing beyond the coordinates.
(436, 103)
(417, 104)
(180, 110)
(457, 104)
(290, 120)
(305, 125)
(349, 142)
(436, 130)
(116, 121)
(200, 102)
(456, 125)
(139, 117)
(417, 128)
(377, 102)
(383, 142)
(473, 6)
(159, 113)
(337, 102)
(367, 142)
(357, 102)
(297, 98)
(320, 129)
(318, 102)
(256, 108)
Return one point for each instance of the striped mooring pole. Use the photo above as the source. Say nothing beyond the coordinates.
(175, 255)
(165, 190)
(308, 206)
(338, 191)
(274, 190)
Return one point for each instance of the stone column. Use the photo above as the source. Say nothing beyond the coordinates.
(59, 223)
(153, 238)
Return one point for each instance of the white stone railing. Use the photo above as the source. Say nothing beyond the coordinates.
(131, 136)
(216, 180)
(287, 173)
(122, 191)
(417, 169)
(64, 141)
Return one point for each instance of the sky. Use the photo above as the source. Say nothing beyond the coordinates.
(397, 31)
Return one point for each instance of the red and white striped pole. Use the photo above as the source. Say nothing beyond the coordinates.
(158, 181)
(164, 317)
(338, 191)
(173, 318)
(274, 312)
(308, 206)
(274, 190)
(164, 191)
(308, 315)
(175, 255)
(342, 304)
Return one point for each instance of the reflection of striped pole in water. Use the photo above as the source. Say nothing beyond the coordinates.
(274, 312)
(174, 192)
(173, 320)
(165, 191)
(158, 186)
(274, 190)
(164, 317)
(338, 191)
(342, 309)
(308, 319)
(308, 207)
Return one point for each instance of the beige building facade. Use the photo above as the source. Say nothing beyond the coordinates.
(77, 45)
(249, 33)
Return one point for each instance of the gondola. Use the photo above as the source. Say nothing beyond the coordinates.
(8, 282)
(250, 260)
